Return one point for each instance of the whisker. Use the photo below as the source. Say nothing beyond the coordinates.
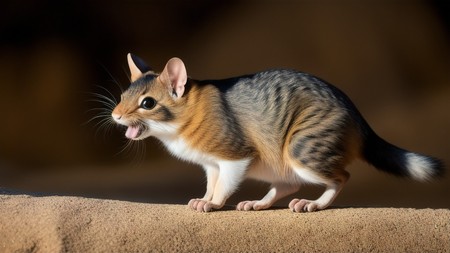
(103, 99)
(94, 118)
(125, 147)
(103, 117)
(97, 98)
(139, 155)
(106, 107)
(103, 110)
(104, 122)
(127, 73)
(113, 79)
(109, 92)
(135, 150)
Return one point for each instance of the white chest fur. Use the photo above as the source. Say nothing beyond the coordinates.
(179, 148)
(168, 134)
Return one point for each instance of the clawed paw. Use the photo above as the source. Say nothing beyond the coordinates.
(201, 205)
(303, 205)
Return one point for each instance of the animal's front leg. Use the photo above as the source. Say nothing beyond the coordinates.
(212, 174)
(231, 174)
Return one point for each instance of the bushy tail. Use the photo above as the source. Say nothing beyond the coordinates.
(389, 158)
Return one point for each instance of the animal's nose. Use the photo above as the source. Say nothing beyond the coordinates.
(116, 116)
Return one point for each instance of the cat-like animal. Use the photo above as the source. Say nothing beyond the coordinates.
(279, 126)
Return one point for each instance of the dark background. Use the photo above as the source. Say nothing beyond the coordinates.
(391, 57)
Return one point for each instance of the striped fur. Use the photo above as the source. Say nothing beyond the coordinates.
(280, 126)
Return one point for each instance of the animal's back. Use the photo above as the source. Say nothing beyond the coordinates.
(279, 126)
(271, 106)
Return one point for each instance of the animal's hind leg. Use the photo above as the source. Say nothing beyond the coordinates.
(318, 156)
(333, 188)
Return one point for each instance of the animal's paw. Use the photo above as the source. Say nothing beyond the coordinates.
(201, 205)
(303, 205)
(251, 205)
(246, 205)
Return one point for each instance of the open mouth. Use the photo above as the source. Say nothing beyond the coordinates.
(135, 131)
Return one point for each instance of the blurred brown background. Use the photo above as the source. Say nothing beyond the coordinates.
(391, 57)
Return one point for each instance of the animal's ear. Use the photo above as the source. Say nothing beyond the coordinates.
(137, 66)
(174, 76)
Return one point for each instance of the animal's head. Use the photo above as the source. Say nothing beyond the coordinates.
(153, 101)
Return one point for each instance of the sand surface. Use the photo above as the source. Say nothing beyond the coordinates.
(31, 223)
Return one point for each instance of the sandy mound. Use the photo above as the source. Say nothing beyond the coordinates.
(75, 224)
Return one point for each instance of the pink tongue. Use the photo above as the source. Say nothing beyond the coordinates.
(132, 132)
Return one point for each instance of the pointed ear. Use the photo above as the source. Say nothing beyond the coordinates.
(137, 66)
(174, 76)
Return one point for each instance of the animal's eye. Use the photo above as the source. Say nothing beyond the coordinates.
(148, 103)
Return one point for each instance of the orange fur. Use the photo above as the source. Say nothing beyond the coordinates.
(279, 126)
